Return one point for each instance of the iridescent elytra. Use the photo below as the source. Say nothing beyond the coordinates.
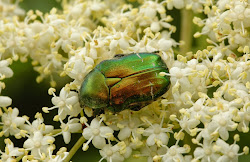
(129, 81)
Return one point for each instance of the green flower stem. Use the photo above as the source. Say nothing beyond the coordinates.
(55, 131)
(186, 30)
(75, 148)
(5, 109)
(19, 158)
(188, 141)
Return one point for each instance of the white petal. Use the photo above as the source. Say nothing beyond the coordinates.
(148, 131)
(4, 63)
(7, 72)
(178, 4)
(55, 100)
(113, 44)
(123, 43)
(63, 93)
(116, 157)
(5, 101)
(87, 133)
(19, 121)
(94, 123)
(124, 133)
(15, 112)
(66, 137)
(224, 133)
(104, 130)
(46, 139)
(198, 152)
(75, 127)
(151, 140)
(222, 144)
(98, 142)
(28, 143)
(72, 100)
(48, 129)
(163, 137)
(37, 136)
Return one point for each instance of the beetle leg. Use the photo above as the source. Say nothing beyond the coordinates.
(156, 52)
(119, 56)
(97, 112)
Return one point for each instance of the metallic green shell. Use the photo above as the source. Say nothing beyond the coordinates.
(128, 82)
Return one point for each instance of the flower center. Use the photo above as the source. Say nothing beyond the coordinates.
(197, 108)
(157, 130)
(61, 104)
(37, 144)
(199, 88)
(210, 65)
(96, 131)
(179, 75)
(109, 152)
(231, 155)
(131, 125)
(223, 122)
(7, 122)
(172, 152)
(5, 157)
(153, 153)
(247, 117)
(208, 151)
(178, 103)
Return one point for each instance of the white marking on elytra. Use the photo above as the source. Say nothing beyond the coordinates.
(151, 92)
(139, 57)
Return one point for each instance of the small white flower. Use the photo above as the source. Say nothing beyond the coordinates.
(38, 125)
(72, 126)
(11, 152)
(175, 3)
(152, 151)
(174, 153)
(111, 153)
(79, 65)
(180, 75)
(244, 118)
(157, 134)
(96, 133)
(67, 103)
(59, 157)
(130, 127)
(38, 143)
(11, 122)
(229, 152)
(5, 71)
(199, 111)
(221, 124)
(206, 152)
(187, 123)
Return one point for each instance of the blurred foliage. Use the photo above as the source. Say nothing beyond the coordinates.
(41, 5)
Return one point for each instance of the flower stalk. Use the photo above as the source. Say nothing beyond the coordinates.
(186, 31)
(74, 149)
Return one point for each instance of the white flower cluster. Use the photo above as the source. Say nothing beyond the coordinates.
(208, 98)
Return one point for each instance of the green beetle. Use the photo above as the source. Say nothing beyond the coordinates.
(126, 82)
